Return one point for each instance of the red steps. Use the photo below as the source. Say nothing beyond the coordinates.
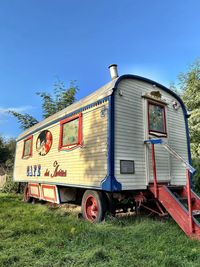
(173, 200)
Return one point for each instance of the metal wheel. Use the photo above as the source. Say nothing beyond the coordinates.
(93, 206)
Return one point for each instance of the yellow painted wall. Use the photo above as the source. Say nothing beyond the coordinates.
(86, 165)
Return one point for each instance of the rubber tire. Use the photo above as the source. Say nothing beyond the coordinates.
(26, 197)
(101, 204)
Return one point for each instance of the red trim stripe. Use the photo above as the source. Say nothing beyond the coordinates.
(52, 187)
(34, 195)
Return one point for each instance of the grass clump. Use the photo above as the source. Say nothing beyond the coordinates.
(38, 235)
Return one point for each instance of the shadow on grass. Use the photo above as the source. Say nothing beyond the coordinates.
(130, 219)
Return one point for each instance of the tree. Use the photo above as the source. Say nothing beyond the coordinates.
(10, 147)
(7, 152)
(26, 120)
(62, 97)
(189, 90)
(190, 86)
(189, 83)
(3, 151)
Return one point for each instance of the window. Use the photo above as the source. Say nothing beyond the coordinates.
(71, 132)
(27, 150)
(44, 142)
(156, 118)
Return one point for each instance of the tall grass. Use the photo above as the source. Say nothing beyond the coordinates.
(42, 235)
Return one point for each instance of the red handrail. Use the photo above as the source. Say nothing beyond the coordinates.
(189, 200)
(188, 167)
(155, 184)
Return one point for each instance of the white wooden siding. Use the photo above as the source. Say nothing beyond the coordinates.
(86, 165)
(130, 133)
(178, 141)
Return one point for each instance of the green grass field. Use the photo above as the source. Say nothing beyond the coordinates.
(41, 235)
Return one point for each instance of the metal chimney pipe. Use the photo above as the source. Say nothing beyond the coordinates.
(113, 71)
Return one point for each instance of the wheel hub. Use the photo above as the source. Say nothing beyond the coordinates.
(91, 208)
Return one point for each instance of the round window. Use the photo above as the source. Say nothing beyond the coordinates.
(44, 142)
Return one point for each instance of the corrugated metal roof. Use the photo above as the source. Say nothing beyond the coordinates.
(101, 93)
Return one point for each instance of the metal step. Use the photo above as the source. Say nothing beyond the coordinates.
(175, 187)
(195, 212)
(185, 199)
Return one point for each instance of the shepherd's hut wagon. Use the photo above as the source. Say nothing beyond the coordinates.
(125, 146)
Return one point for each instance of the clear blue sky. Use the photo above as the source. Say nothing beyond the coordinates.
(41, 40)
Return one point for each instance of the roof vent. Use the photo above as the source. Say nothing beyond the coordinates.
(113, 71)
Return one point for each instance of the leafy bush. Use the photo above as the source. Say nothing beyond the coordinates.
(12, 187)
(196, 177)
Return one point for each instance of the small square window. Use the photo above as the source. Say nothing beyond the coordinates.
(156, 118)
(27, 150)
(71, 132)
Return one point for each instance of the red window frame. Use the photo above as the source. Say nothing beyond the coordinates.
(164, 133)
(31, 148)
(79, 143)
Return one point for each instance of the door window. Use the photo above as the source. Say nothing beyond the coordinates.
(157, 118)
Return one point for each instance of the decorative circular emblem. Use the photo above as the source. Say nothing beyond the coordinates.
(44, 142)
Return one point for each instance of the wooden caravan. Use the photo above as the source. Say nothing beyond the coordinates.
(117, 148)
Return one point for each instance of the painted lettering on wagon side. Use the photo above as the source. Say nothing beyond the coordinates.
(34, 170)
(57, 171)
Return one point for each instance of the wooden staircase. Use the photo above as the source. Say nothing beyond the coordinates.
(175, 200)
(182, 203)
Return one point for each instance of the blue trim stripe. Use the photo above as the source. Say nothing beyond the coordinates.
(65, 116)
(154, 141)
(111, 139)
(59, 196)
(110, 183)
